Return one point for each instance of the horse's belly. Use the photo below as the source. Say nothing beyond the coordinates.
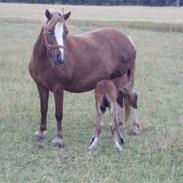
(80, 87)
(85, 84)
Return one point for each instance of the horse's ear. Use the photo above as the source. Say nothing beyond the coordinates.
(67, 15)
(48, 14)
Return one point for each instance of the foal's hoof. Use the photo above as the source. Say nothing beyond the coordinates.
(120, 123)
(122, 141)
(118, 146)
(93, 143)
(58, 142)
(39, 136)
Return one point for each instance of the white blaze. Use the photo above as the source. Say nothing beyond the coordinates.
(59, 30)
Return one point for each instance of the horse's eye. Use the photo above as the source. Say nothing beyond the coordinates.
(50, 32)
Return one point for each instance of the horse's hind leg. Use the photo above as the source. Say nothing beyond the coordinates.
(58, 96)
(44, 96)
(119, 108)
(114, 126)
(132, 96)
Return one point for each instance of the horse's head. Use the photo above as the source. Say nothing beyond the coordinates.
(55, 33)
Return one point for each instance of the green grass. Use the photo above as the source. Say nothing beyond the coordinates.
(113, 13)
(156, 155)
(151, 18)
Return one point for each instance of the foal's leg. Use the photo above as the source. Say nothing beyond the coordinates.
(99, 124)
(58, 96)
(44, 96)
(114, 126)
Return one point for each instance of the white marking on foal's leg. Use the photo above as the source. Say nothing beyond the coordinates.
(118, 146)
(116, 142)
(98, 128)
(94, 144)
(59, 30)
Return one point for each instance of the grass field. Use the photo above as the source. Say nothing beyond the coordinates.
(112, 13)
(156, 155)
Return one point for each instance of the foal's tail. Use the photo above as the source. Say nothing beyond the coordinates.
(105, 104)
(127, 107)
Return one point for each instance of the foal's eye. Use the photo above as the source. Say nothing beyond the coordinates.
(50, 32)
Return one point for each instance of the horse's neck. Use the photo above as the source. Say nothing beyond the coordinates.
(69, 42)
(72, 45)
(39, 50)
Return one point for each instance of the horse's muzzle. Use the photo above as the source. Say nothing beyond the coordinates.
(57, 58)
(58, 61)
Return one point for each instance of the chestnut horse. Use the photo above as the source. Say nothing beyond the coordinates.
(106, 95)
(62, 61)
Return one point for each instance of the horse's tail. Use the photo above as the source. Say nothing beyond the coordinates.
(127, 107)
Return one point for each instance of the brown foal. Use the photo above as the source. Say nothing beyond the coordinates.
(106, 95)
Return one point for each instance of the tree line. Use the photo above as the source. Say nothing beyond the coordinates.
(105, 2)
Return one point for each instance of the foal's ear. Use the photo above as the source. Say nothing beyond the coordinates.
(48, 14)
(67, 15)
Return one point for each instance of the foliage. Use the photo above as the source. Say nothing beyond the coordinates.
(105, 2)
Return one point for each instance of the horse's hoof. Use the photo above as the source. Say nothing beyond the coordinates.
(58, 142)
(134, 131)
(93, 143)
(122, 141)
(120, 123)
(39, 136)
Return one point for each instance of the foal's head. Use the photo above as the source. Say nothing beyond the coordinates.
(55, 33)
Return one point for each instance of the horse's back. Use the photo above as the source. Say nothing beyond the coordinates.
(112, 43)
(111, 34)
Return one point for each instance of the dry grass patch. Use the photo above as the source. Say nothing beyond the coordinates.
(105, 13)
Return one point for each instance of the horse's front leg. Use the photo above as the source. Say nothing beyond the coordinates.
(58, 96)
(44, 96)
